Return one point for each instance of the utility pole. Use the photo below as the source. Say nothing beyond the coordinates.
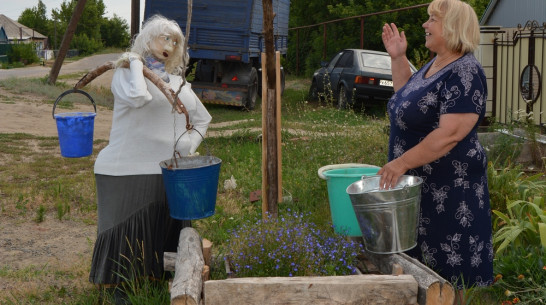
(135, 18)
(70, 30)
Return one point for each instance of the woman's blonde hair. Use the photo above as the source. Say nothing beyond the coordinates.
(460, 26)
(155, 26)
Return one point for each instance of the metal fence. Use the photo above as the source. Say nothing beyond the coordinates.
(514, 61)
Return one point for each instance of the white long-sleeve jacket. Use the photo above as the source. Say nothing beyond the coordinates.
(144, 126)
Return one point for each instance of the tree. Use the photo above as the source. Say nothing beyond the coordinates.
(115, 32)
(309, 41)
(90, 22)
(36, 19)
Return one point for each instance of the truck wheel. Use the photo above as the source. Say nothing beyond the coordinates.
(252, 90)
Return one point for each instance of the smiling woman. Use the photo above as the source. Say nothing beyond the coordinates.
(435, 114)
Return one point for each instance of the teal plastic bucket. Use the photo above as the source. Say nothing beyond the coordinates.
(191, 184)
(341, 208)
(75, 129)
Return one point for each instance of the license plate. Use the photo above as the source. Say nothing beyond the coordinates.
(384, 82)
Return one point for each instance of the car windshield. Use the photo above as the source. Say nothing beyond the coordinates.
(376, 61)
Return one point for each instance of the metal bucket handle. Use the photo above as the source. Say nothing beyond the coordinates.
(73, 90)
(175, 152)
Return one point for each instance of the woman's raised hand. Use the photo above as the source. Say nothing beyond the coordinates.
(395, 42)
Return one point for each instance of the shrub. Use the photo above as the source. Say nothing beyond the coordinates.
(524, 225)
(290, 246)
(85, 44)
(521, 276)
(22, 52)
(512, 183)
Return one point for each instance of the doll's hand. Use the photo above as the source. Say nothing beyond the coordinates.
(134, 56)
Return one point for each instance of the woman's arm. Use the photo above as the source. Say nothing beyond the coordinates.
(453, 127)
(396, 45)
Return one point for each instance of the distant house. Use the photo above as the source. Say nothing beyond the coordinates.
(3, 45)
(510, 13)
(3, 35)
(17, 32)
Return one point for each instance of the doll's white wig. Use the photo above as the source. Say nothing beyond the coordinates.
(155, 26)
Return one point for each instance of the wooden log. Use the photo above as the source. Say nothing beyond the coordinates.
(169, 258)
(188, 282)
(307, 290)
(169, 261)
(433, 289)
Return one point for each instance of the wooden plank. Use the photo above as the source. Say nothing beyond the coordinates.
(207, 251)
(325, 290)
(264, 137)
(433, 289)
(278, 125)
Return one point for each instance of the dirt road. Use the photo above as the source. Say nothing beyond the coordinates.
(85, 64)
(18, 114)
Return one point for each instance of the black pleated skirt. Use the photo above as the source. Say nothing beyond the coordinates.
(134, 229)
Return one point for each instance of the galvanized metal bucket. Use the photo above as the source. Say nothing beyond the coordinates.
(389, 218)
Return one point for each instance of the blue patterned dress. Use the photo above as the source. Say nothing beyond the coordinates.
(455, 234)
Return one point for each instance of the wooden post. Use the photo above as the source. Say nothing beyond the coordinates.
(70, 30)
(278, 125)
(270, 118)
(265, 201)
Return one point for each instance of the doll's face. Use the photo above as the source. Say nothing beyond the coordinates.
(163, 47)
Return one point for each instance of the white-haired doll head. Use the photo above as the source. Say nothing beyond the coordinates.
(157, 33)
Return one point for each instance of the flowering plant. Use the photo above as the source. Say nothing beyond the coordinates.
(290, 246)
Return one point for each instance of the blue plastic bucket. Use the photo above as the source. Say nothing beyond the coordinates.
(191, 184)
(341, 208)
(75, 129)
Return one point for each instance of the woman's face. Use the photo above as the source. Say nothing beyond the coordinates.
(163, 47)
(434, 39)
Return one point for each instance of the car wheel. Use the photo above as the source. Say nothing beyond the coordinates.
(342, 100)
(252, 90)
(313, 92)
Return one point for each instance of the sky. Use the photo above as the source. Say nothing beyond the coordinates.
(122, 8)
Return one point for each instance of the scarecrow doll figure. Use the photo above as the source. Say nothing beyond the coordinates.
(134, 226)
